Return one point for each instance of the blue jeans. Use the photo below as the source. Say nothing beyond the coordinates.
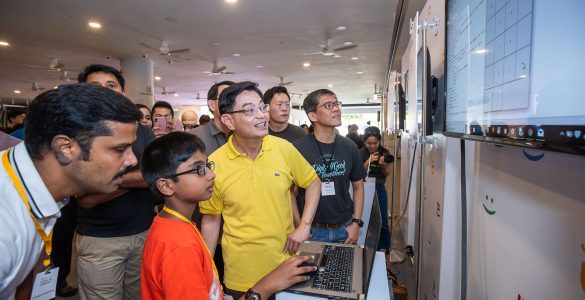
(384, 242)
(330, 235)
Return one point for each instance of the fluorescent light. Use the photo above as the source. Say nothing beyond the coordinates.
(176, 95)
(236, 54)
(481, 51)
(4, 43)
(95, 25)
(341, 28)
(156, 77)
(355, 58)
(359, 72)
(306, 65)
(259, 66)
(231, 1)
(348, 43)
(17, 91)
(330, 85)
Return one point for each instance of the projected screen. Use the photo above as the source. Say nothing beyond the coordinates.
(515, 71)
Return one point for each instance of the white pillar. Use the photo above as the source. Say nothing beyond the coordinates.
(138, 73)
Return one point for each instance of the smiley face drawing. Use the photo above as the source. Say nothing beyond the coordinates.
(488, 211)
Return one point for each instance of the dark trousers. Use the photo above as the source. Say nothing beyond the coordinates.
(62, 241)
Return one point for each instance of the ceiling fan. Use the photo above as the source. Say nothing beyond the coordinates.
(282, 83)
(165, 50)
(328, 50)
(54, 65)
(217, 70)
(37, 88)
(164, 92)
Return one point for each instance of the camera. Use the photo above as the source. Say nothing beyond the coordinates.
(388, 158)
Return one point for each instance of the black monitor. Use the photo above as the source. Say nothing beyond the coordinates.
(514, 72)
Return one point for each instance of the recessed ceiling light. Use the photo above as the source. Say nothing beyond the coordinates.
(95, 25)
(359, 72)
(306, 65)
(4, 43)
(330, 85)
(17, 91)
(231, 1)
(236, 54)
(354, 58)
(55, 87)
(259, 66)
(341, 28)
(176, 95)
(156, 77)
(348, 43)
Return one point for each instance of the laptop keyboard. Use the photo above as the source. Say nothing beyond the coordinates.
(335, 270)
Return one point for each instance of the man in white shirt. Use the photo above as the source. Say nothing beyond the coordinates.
(78, 140)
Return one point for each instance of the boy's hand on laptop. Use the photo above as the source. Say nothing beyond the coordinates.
(283, 276)
(299, 235)
(353, 232)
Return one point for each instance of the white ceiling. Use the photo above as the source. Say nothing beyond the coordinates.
(271, 33)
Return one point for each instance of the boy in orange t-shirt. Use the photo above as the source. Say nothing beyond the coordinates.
(176, 263)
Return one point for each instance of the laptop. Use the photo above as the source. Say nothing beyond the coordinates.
(343, 270)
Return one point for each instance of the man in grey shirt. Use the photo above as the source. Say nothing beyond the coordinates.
(213, 134)
(279, 111)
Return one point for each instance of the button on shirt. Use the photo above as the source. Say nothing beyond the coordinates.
(20, 243)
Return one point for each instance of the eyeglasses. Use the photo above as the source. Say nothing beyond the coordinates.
(200, 170)
(251, 109)
(281, 105)
(329, 105)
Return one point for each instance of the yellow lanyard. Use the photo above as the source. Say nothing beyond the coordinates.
(20, 189)
(180, 216)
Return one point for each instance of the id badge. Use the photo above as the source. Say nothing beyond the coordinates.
(328, 188)
(371, 179)
(45, 285)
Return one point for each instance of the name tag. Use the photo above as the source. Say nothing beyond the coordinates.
(45, 285)
(327, 189)
(371, 179)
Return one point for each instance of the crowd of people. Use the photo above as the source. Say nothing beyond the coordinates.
(167, 207)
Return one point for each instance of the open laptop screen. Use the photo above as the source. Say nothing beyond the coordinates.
(371, 244)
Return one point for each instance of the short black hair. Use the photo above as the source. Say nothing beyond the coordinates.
(312, 100)
(79, 111)
(212, 93)
(228, 96)
(372, 131)
(273, 91)
(82, 77)
(162, 157)
(304, 126)
(162, 104)
(204, 119)
(14, 112)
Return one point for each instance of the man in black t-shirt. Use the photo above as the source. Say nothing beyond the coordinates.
(337, 162)
(111, 233)
(279, 112)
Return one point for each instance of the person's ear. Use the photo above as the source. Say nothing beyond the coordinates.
(165, 186)
(228, 121)
(65, 149)
(212, 104)
(312, 116)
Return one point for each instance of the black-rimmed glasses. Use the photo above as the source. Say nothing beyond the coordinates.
(251, 109)
(329, 105)
(200, 170)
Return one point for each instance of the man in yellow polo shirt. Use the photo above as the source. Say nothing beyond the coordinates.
(254, 172)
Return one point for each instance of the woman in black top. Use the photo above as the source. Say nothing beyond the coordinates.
(377, 160)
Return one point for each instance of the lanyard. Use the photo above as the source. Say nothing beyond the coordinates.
(20, 189)
(180, 216)
(327, 164)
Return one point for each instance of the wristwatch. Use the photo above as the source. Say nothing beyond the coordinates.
(359, 222)
(251, 295)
